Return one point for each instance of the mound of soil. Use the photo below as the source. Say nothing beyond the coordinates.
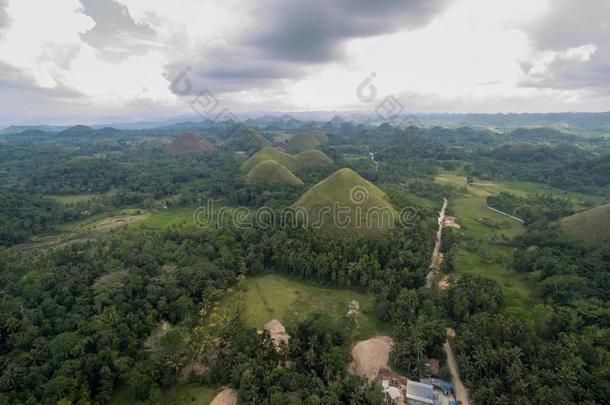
(225, 397)
(370, 356)
(277, 332)
(191, 143)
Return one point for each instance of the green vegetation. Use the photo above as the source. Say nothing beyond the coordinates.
(493, 262)
(69, 199)
(118, 308)
(165, 218)
(272, 172)
(482, 223)
(366, 208)
(181, 394)
(592, 227)
(276, 297)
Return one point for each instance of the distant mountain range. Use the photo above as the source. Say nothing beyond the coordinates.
(577, 120)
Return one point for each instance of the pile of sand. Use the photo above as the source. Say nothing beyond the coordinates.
(370, 356)
(225, 397)
(277, 332)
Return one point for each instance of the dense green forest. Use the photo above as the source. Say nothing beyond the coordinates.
(126, 311)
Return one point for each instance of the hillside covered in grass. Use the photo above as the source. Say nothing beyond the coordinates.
(191, 143)
(303, 142)
(272, 172)
(309, 158)
(345, 202)
(592, 227)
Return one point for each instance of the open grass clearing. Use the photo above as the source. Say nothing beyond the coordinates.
(288, 300)
(164, 218)
(491, 263)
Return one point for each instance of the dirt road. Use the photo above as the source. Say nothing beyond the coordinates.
(435, 261)
(461, 393)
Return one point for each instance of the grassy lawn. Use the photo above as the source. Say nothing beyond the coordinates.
(288, 300)
(181, 394)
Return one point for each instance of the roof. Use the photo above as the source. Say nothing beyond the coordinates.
(420, 392)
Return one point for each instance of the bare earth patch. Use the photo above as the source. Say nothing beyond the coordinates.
(225, 397)
(451, 222)
(353, 310)
(370, 356)
(277, 332)
(443, 284)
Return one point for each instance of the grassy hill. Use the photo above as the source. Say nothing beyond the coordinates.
(292, 162)
(190, 143)
(592, 227)
(270, 153)
(272, 172)
(312, 158)
(248, 140)
(360, 201)
(303, 142)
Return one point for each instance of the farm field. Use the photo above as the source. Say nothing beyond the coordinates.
(288, 300)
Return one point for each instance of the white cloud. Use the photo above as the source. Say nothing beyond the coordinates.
(46, 47)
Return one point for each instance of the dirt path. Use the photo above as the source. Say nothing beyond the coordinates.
(371, 355)
(225, 397)
(435, 261)
(376, 163)
(460, 391)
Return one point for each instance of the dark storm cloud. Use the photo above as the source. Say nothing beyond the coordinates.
(571, 24)
(291, 34)
(115, 33)
(313, 31)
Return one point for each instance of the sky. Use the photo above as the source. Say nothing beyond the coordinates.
(69, 61)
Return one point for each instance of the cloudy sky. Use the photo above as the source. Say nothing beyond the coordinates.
(67, 61)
